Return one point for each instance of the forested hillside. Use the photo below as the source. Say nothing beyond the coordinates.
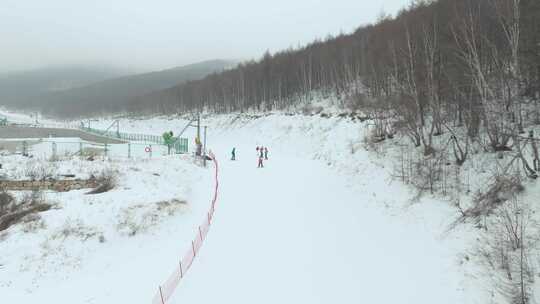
(451, 58)
(115, 94)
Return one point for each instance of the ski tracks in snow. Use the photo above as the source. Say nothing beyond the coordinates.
(294, 232)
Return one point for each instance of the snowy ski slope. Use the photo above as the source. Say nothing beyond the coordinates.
(323, 222)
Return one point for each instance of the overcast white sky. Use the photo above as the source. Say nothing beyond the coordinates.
(145, 35)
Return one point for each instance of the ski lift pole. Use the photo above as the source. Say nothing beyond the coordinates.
(24, 148)
(199, 126)
(204, 147)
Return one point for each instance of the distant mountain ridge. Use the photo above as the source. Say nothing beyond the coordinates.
(16, 87)
(106, 95)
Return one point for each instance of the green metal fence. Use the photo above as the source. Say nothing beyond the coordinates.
(62, 150)
(180, 146)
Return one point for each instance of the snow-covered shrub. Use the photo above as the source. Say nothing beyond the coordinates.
(310, 109)
(77, 229)
(32, 198)
(507, 250)
(6, 203)
(501, 190)
(434, 174)
(33, 223)
(107, 179)
(38, 171)
(372, 143)
(139, 218)
(13, 211)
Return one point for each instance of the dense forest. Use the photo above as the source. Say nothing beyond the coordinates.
(459, 61)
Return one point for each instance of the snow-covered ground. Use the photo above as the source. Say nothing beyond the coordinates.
(103, 248)
(323, 222)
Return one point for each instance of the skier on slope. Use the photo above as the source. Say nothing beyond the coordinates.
(260, 153)
(265, 153)
(233, 154)
(199, 146)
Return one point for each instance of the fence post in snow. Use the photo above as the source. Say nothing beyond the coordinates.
(204, 149)
(161, 295)
(181, 270)
(129, 150)
(24, 148)
(54, 150)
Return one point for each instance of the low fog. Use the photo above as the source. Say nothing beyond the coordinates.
(151, 35)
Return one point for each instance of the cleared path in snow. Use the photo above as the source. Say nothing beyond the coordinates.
(293, 232)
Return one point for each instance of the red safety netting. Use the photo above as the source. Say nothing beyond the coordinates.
(166, 290)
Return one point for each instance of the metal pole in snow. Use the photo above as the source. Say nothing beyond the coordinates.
(161, 295)
(181, 271)
(204, 149)
(199, 126)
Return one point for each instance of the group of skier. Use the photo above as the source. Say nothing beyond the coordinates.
(262, 153)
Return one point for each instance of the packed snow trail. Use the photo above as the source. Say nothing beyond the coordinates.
(294, 232)
(297, 231)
